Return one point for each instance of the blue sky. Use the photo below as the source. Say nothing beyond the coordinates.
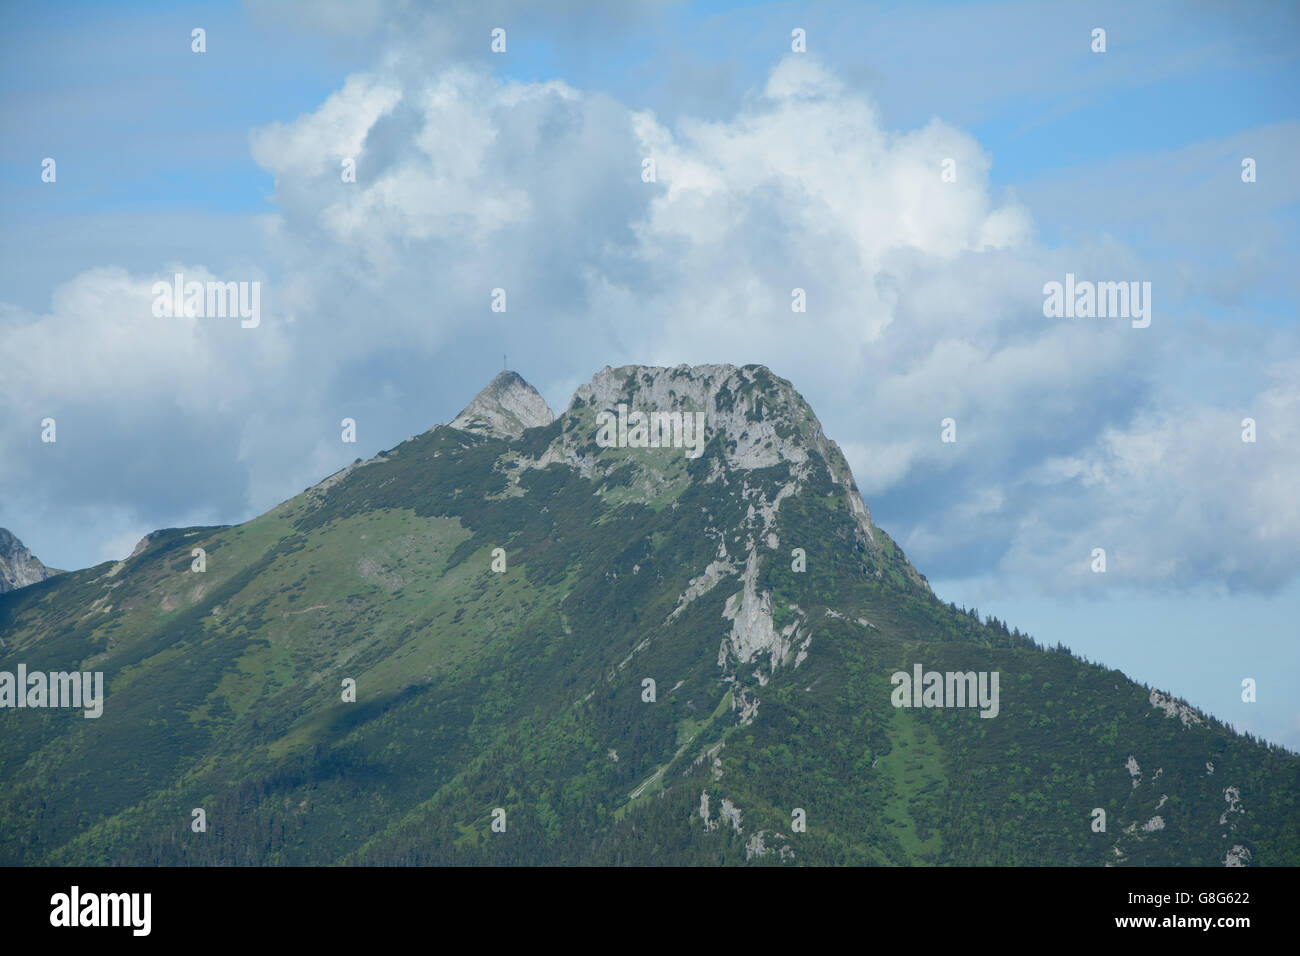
(777, 170)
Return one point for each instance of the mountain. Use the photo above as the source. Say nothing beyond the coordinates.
(661, 628)
(18, 566)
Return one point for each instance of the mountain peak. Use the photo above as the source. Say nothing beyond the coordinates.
(756, 419)
(761, 417)
(18, 566)
(505, 408)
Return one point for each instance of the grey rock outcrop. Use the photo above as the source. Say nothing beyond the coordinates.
(506, 407)
(18, 566)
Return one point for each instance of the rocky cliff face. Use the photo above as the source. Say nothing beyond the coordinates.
(761, 418)
(766, 447)
(18, 566)
(506, 407)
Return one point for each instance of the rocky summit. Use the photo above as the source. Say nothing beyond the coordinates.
(18, 566)
(506, 407)
(662, 627)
